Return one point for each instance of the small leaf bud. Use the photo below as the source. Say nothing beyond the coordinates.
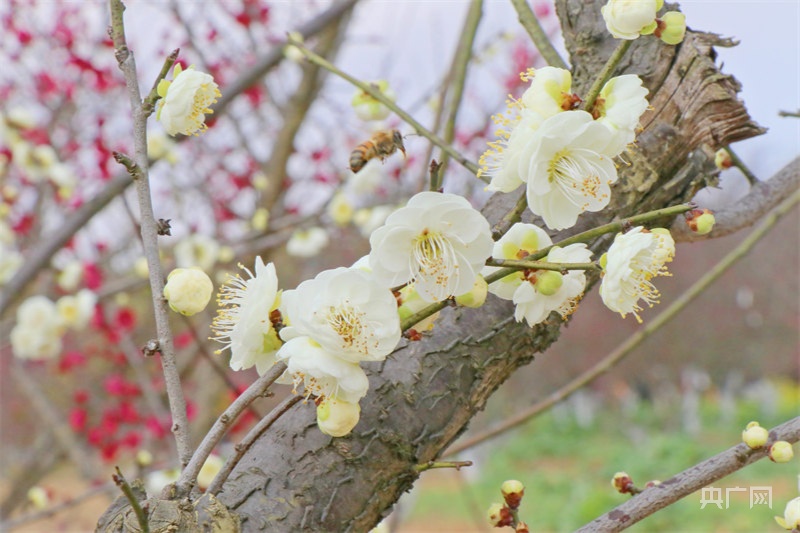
(622, 482)
(755, 436)
(499, 515)
(512, 491)
(781, 452)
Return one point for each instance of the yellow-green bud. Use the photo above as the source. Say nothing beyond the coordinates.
(499, 515)
(188, 290)
(144, 458)
(781, 452)
(38, 497)
(755, 436)
(476, 296)
(603, 261)
(722, 159)
(513, 491)
(622, 482)
(672, 27)
(548, 282)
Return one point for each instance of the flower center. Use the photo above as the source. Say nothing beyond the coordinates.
(575, 177)
(435, 257)
(347, 323)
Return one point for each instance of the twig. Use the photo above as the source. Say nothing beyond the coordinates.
(657, 497)
(738, 163)
(518, 264)
(122, 483)
(461, 62)
(761, 198)
(248, 441)
(510, 218)
(40, 458)
(180, 422)
(152, 96)
(224, 423)
(531, 24)
(430, 465)
(376, 94)
(793, 114)
(605, 74)
(624, 349)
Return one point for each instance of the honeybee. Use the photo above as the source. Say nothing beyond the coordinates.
(382, 145)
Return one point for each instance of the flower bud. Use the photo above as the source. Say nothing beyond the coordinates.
(336, 417)
(291, 52)
(144, 458)
(722, 159)
(260, 220)
(499, 515)
(188, 290)
(512, 491)
(622, 482)
(38, 497)
(791, 515)
(522, 527)
(700, 221)
(755, 436)
(367, 107)
(548, 282)
(476, 296)
(671, 27)
(781, 452)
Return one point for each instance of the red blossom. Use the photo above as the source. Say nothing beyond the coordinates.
(70, 360)
(92, 276)
(77, 419)
(125, 319)
(184, 340)
(80, 396)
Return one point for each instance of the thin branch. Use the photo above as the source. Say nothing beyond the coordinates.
(738, 163)
(430, 465)
(627, 347)
(39, 459)
(510, 218)
(152, 97)
(761, 198)
(521, 264)
(540, 39)
(149, 231)
(249, 439)
(126, 489)
(605, 74)
(657, 497)
(224, 423)
(377, 95)
(461, 62)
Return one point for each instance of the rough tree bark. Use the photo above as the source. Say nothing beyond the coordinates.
(423, 396)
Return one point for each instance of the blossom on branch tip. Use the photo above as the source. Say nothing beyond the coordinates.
(633, 259)
(346, 312)
(188, 290)
(185, 101)
(791, 515)
(518, 242)
(438, 241)
(37, 333)
(307, 243)
(244, 323)
(627, 19)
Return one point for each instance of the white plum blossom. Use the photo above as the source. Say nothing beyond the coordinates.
(185, 101)
(243, 321)
(570, 169)
(37, 333)
(437, 241)
(10, 262)
(209, 471)
(188, 290)
(337, 418)
(546, 291)
(627, 19)
(75, 311)
(550, 91)
(321, 373)
(369, 219)
(346, 312)
(791, 515)
(633, 259)
(620, 104)
(307, 243)
(518, 242)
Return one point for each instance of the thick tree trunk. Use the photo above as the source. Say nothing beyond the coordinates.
(423, 396)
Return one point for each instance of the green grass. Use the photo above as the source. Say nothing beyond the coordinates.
(567, 469)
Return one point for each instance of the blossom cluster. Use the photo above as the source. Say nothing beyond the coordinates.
(563, 155)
